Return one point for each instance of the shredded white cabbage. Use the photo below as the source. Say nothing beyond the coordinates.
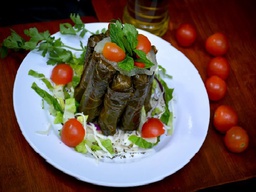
(123, 148)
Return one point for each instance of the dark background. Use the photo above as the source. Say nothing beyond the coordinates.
(27, 11)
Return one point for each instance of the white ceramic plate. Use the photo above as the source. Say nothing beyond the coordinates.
(191, 106)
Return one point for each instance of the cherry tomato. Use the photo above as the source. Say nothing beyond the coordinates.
(113, 52)
(139, 64)
(62, 74)
(217, 44)
(218, 66)
(72, 132)
(143, 43)
(224, 118)
(153, 127)
(186, 34)
(236, 139)
(215, 87)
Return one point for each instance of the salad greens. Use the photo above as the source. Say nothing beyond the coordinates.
(61, 102)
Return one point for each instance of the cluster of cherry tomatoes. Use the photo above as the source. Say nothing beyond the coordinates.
(225, 118)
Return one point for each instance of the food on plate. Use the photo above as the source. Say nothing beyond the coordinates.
(100, 95)
(217, 44)
(113, 97)
(143, 43)
(236, 139)
(62, 74)
(153, 127)
(113, 52)
(115, 94)
(131, 117)
(114, 103)
(72, 132)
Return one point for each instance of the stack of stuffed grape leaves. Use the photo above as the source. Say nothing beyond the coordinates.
(112, 97)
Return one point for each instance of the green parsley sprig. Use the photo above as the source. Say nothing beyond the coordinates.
(125, 36)
(57, 51)
(77, 28)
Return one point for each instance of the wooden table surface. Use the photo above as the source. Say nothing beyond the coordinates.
(22, 169)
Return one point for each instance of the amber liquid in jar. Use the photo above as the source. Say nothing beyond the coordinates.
(149, 15)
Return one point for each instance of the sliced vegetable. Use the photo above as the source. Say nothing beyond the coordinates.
(167, 115)
(72, 132)
(139, 64)
(51, 100)
(153, 127)
(62, 74)
(143, 43)
(113, 52)
(69, 109)
(142, 143)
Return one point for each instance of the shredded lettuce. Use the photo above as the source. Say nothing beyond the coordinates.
(69, 109)
(162, 98)
(80, 148)
(142, 143)
(95, 143)
(51, 100)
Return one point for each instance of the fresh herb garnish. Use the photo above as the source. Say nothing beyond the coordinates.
(79, 26)
(125, 36)
(57, 51)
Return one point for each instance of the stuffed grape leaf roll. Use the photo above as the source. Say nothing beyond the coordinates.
(88, 65)
(115, 101)
(90, 103)
(131, 117)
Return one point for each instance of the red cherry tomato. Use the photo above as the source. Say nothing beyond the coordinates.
(236, 139)
(72, 132)
(224, 118)
(217, 44)
(113, 52)
(139, 64)
(143, 43)
(215, 87)
(186, 34)
(153, 127)
(218, 66)
(62, 74)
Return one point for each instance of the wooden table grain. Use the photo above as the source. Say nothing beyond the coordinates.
(22, 169)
